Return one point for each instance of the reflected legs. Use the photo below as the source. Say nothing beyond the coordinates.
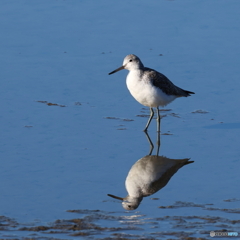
(151, 144)
(158, 142)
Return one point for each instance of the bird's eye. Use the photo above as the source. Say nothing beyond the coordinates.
(130, 60)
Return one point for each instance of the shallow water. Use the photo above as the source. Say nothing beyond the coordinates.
(70, 133)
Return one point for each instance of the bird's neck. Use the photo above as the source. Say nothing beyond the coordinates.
(136, 72)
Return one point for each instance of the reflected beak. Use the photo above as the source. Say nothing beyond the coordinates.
(118, 69)
(119, 198)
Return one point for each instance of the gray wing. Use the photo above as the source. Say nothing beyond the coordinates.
(161, 81)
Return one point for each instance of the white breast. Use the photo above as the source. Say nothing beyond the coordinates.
(145, 92)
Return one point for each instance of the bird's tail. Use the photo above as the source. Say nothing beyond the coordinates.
(187, 162)
(188, 93)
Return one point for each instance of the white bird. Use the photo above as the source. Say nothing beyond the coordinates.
(149, 87)
(147, 176)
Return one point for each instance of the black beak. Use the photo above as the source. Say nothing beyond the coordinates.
(119, 198)
(118, 69)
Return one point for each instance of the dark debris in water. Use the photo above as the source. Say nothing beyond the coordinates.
(7, 223)
(77, 103)
(165, 110)
(160, 109)
(180, 204)
(146, 115)
(200, 111)
(114, 118)
(232, 200)
(122, 119)
(174, 115)
(104, 225)
(143, 115)
(167, 133)
(127, 119)
(51, 104)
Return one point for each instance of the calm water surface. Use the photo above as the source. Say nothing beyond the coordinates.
(70, 133)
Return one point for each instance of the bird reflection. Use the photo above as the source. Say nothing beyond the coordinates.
(148, 175)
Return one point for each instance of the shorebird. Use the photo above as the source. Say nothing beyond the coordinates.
(147, 176)
(149, 87)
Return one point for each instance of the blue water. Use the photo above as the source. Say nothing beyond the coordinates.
(57, 158)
